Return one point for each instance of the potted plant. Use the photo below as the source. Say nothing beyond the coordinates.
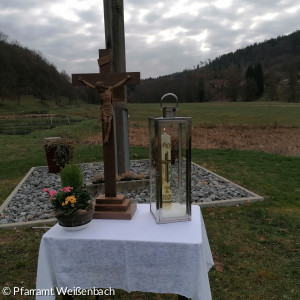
(59, 152)
(72, 204)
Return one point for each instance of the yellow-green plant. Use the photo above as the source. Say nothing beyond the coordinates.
(71, 175)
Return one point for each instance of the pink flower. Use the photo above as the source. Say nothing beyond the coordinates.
(46, 190)
(52, 193)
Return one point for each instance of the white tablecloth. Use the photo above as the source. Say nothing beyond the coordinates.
(135, 255)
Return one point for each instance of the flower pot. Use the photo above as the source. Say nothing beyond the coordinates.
(78, 220)
(50, 155)
(59, 152)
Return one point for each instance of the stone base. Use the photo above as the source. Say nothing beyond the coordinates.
(118, 208)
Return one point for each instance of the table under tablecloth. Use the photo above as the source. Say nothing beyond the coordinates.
(133, 255)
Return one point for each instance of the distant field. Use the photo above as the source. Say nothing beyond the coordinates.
(230, 113)
(208, 113)
(265, 126)
(33, 116)
(32, 105)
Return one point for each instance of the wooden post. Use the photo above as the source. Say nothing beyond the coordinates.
(115, 40)
(109, 155)
(109, 165)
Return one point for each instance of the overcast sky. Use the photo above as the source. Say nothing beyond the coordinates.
(162, 37)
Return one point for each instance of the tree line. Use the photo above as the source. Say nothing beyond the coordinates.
(26, 72)
(270, 69)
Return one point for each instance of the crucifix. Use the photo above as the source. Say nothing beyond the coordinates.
(106, 83)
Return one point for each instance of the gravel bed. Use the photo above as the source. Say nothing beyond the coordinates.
(30, 203)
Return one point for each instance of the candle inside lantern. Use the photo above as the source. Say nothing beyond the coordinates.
(166, 169)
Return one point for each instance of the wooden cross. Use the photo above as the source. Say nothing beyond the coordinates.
(115, 40)
(109, 79)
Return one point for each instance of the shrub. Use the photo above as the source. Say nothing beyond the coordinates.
(71, 175)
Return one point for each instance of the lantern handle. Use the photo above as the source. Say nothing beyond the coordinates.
(166, 95)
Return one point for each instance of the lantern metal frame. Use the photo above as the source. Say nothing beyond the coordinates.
(179, 168)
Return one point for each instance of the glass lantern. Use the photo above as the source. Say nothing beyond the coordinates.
(170, 165)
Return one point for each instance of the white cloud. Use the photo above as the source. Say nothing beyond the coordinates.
(63, 11)
(293, 9)
(223, 4)
(236, 25)
(266, 17)
(160, 5)
(200, 37)
(172, 33)
(183, 7)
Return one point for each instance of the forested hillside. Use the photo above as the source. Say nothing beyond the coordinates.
(270, 69)
(24, 71)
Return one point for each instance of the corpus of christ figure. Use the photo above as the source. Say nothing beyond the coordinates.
(107, 111)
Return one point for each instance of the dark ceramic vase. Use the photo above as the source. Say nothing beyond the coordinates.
(76, 220)
(50, 154)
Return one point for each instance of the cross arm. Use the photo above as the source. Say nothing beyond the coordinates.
(108, 79)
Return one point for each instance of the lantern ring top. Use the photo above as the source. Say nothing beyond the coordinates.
(166, 95)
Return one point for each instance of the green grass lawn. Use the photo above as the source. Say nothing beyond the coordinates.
(255, 246)
(238, 113)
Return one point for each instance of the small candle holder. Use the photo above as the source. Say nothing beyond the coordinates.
(170, 165)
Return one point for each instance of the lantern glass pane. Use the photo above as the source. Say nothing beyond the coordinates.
(170, 165)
